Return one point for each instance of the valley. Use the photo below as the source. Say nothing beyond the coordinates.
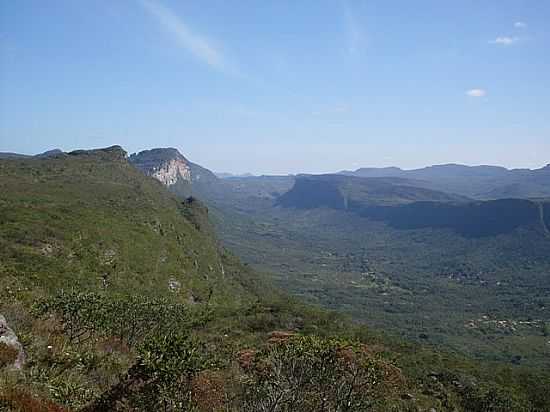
(95, 250)
(274, 206)
(416, 262)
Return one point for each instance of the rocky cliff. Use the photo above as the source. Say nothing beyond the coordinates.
(172, 169)
(168, 166)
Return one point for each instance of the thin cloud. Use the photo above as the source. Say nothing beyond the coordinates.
(198, 45)
(356, 37)
(476, 93)
(520, 25)
(338, 109)
(505, 40)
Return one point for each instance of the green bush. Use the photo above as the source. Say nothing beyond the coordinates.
(129, 318)
(311, 374)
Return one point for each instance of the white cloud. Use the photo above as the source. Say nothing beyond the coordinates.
(198, 45)
(505, 40)
(520, 25)
(476, 93)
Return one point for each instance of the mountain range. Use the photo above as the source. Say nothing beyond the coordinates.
(480, 182)
(123, 298)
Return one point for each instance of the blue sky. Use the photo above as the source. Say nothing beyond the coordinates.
(281, 86)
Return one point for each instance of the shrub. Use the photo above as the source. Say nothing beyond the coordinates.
(169, 364)
(128, 318)
(309, 374)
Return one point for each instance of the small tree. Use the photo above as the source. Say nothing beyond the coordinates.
(170, 363)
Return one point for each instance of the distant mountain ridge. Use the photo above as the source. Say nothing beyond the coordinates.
(480, 182)
(49, 153)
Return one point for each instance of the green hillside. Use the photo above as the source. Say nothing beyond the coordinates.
(122, 300)
(90, 220)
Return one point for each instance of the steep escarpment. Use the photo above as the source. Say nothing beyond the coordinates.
(344, 192)
(167, 166)
(309, 193)
(402, 206)
(91, 220)
(544, 209)
(173, 170)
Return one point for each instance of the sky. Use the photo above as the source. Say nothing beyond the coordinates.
(276, 86)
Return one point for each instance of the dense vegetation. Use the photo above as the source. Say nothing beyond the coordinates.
(470, 276)
(123, 300)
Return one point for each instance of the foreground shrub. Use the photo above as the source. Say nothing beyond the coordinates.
(308, 374)
(129, 318)
(162, 378)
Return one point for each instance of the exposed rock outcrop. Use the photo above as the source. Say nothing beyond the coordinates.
(168, 166)
(173, 170)
(9, 338)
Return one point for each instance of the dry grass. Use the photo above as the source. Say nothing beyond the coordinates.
(21, 401)
(208, 390)
(8, 355)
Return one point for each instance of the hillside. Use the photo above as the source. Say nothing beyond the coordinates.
(89, 219)
(120, 298)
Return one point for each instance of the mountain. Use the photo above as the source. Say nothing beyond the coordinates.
(8, 155)
(480, 182)
(172, 169)
(49, 153)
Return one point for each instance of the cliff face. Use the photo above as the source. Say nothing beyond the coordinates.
(170, 172)
(179, 175)
(168, 166)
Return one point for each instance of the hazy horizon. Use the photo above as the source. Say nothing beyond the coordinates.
(246, 171)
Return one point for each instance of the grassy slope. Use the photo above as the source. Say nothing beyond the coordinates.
(64, 222)
(68, 222)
